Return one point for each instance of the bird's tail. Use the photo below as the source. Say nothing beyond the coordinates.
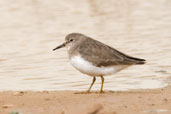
(138, 60)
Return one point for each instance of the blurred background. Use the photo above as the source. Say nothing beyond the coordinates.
(30, 29)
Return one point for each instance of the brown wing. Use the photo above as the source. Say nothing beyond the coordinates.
(103, 55)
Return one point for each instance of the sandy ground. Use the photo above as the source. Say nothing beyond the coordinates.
(67, 102)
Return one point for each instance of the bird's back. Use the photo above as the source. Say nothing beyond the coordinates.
(103, 55)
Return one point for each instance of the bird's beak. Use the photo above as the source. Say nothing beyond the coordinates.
(60, 46)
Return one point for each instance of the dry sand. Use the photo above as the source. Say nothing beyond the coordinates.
(67, 102)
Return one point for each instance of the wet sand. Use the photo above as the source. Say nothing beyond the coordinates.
(67, 102)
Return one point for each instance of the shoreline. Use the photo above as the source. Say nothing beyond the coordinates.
(67, 102)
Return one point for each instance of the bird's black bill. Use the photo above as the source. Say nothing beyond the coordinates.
(60, 46)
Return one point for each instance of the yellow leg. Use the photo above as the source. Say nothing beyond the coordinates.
(94, 79)
(101, 90)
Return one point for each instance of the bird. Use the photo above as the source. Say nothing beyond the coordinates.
(94, 58)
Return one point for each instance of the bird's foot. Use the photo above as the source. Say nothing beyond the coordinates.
(82, 92)
(102, 91)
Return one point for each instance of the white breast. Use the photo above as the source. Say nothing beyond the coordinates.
(88, 68)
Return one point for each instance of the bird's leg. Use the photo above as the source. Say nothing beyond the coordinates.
(94, 79)
(101, 90)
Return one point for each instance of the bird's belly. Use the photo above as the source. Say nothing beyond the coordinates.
(88, 68)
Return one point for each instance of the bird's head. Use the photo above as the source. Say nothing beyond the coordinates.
(70, 39)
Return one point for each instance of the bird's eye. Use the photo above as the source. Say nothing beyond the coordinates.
(71, 40)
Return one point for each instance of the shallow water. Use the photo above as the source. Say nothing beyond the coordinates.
(30, 29)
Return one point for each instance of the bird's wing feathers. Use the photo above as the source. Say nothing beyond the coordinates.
(103, 55)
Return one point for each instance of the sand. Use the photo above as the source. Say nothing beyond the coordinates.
(68, 102)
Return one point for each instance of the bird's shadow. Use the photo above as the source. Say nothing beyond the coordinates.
(119, 92)
(94, 92)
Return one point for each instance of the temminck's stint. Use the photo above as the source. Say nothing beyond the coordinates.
(94, 58)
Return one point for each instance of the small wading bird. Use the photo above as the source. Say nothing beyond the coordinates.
(94, 58)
